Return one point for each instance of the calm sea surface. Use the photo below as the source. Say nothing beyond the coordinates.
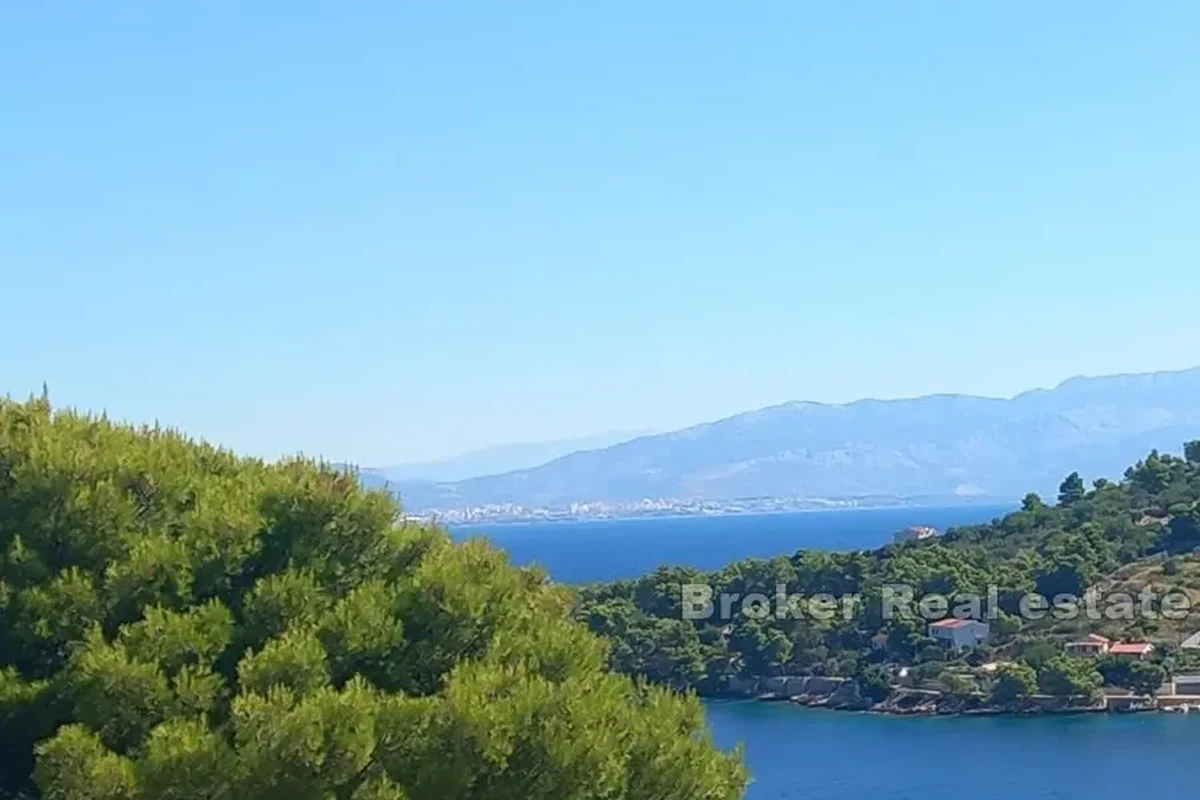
(577, 552)
(804, 754)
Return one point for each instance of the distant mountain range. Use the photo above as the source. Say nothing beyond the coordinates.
(939, 445)
(493, 460)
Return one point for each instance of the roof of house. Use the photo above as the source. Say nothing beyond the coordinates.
(1187, 678)
(1131, 648)
(1091, 640)
(1192, 642)
(952, 622)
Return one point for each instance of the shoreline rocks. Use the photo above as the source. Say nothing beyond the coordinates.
(842, 694)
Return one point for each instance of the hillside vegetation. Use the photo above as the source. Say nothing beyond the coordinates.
(1114, 536)
(177, 622)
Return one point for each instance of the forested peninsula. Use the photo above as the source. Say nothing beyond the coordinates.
(177, 622)
(1128, 537)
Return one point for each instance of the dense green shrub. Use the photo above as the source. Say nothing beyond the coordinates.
(177, 622)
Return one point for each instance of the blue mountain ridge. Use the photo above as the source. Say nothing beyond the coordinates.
(937, 445)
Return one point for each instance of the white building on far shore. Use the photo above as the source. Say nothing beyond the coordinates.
(960, 634)
(915, 534)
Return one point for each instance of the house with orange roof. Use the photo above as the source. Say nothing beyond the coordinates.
(1092, 646)
(1135, 650)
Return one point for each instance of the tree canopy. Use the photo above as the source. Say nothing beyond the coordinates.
(1065, 677)
(177, 622)
(1013, 682)
(1071, 490)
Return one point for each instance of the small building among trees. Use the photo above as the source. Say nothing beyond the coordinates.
(1092, 646)
(1137, 650)
(960, 634)
(1186, 684)
(916, 533)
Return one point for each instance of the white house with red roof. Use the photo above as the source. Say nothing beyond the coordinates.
(960, 634)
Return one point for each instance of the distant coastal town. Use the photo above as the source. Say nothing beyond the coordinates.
(663, 507)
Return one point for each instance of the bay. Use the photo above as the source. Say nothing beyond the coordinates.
(601, 550)
(803, 754)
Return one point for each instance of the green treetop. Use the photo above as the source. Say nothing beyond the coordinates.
(1013, 682)
(178, 623)
(1065, 676)
(1071, 490)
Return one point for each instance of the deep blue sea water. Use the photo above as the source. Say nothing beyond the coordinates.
(577, 552)
(803, 754)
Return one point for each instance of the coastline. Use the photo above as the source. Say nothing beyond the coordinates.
(536, 521)
(680, 509)
(840, 694)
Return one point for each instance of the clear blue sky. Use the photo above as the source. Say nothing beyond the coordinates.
(393, 231)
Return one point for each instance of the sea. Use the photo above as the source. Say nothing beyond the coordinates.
(603, 550)
(809, 754)
(797, 753)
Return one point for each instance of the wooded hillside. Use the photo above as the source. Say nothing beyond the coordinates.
(1142, 527)
(178, 622)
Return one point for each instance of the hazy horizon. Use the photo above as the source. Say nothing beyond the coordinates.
(587, 440)
(398, 233)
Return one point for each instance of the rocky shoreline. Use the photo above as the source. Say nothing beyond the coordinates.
(841, 694)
